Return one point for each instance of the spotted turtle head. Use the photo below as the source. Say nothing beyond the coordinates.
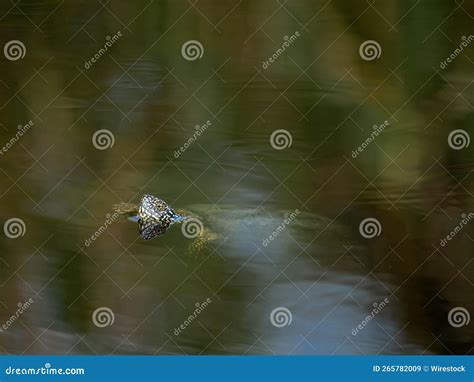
(155, 217)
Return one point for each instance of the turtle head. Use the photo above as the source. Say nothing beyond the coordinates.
(155, 217)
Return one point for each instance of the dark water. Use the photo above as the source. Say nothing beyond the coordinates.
(332, 290)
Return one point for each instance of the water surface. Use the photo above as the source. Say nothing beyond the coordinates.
(308, 289)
